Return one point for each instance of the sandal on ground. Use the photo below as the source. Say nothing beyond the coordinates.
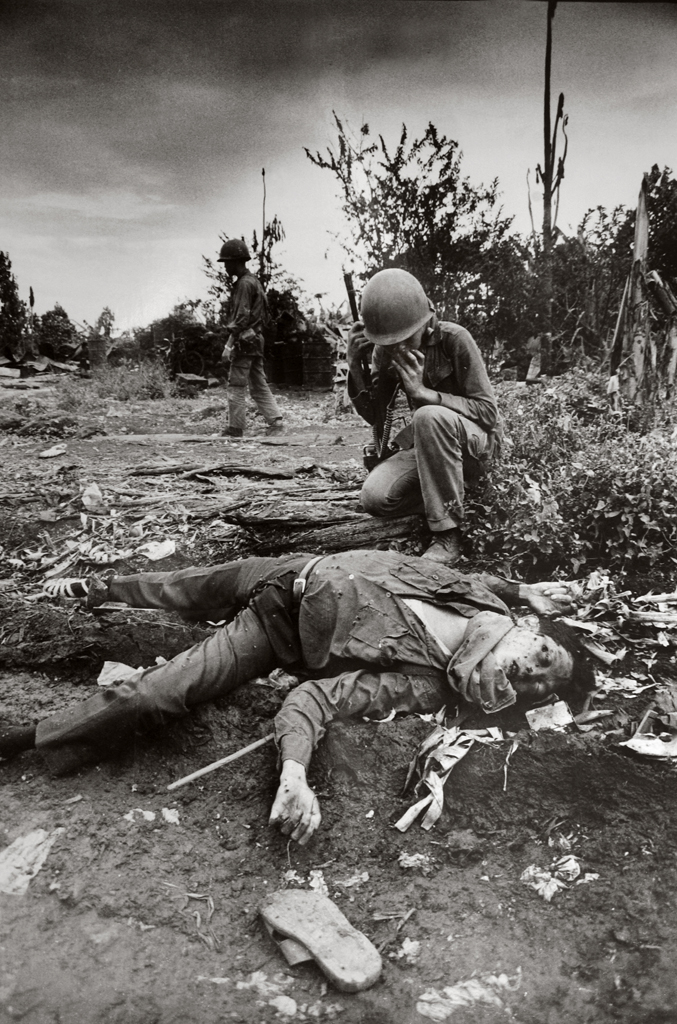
(92, 588)
(66, 587)
(314, 922)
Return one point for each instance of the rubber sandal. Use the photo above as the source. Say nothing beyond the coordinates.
(93, 588)
(313, 921)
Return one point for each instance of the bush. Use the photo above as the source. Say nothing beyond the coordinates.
(180, 341)
(149, 380)
(73, 393)
(573, 485)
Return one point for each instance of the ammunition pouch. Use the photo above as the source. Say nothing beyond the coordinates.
(371, 458)
(248, 343)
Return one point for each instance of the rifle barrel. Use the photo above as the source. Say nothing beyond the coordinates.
(352, 298)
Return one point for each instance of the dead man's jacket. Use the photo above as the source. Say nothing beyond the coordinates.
(368, 651)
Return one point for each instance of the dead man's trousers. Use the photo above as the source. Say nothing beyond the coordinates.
(261, 636)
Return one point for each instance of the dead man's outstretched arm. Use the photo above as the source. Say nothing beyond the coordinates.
(548, 598)
(305, 715)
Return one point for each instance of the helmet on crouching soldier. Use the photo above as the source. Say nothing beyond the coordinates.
(234, 249)
(394, 307)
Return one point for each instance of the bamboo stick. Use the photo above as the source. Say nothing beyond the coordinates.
(219, 764)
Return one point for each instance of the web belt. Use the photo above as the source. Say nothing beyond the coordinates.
(301, 580)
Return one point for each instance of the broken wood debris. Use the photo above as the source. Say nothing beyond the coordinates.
(162, 438)
(657, 617)
(187, 470)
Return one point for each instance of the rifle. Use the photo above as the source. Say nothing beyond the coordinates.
(379, 450)
(352, 299)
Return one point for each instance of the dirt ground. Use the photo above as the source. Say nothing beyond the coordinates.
(152, 919)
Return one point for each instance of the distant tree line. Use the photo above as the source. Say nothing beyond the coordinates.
(25, 335)
(409, 207)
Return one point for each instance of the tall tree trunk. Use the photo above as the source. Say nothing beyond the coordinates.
(643, 359)
(547, 178)
(636, 335)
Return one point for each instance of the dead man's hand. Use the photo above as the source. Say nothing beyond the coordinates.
(296, 810)
(548, 598)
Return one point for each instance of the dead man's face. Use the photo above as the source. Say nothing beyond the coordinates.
(535, 664)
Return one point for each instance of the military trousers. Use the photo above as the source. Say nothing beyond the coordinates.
(427, 478)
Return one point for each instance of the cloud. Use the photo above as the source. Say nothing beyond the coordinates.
(115, 206)
(137, 129)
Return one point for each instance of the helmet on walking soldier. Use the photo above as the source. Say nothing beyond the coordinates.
(394, 306)
(234, 249)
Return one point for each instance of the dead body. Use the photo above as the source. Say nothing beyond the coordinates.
(374, 630)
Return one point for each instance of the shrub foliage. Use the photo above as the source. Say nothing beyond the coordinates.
(574, 485)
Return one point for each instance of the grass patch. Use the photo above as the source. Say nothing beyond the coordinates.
(149, 381)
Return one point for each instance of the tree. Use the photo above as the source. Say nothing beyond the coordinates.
(12, 312)
(413, 208)
(56, 335)
(551, 172)
(588, 275)
(662, 207)
(269, 268)
(643, 363)
(104, 323)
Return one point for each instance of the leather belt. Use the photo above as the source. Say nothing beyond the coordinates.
(302, 579)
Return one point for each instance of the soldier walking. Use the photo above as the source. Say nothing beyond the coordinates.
(246, 316)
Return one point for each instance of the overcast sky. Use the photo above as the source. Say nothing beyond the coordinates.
(132, 131)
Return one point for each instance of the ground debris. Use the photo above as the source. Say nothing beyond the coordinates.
(489, 989)
(656, 734)
(555, 716)
(562, 872)
(432, 765)
(202, 919)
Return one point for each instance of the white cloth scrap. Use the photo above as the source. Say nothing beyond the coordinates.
(117, 672)
(155, 550)
(22, 859)
(436, 756)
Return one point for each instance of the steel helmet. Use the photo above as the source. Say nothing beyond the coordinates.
(234, 249)
(394, 306)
